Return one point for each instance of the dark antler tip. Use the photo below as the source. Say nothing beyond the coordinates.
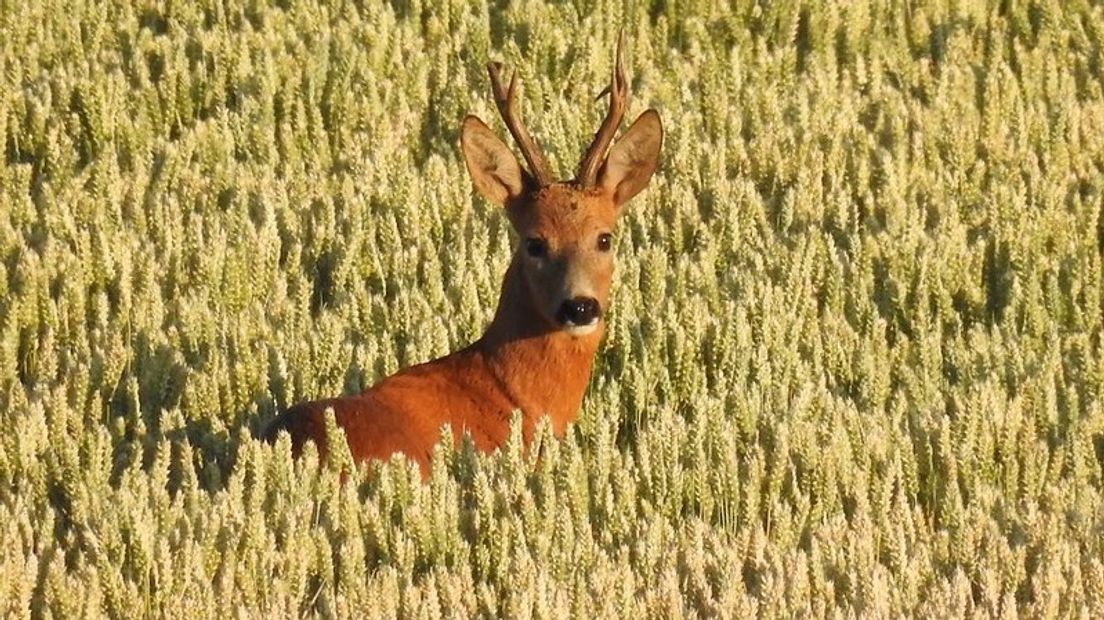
(504, 100)
(618, 91)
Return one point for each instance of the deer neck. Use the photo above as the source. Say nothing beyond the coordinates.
(542, 369)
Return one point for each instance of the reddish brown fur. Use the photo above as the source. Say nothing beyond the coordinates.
(523, 362)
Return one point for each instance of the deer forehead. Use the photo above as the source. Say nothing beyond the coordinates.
(561, 211)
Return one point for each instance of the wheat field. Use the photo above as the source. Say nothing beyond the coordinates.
(855, 358)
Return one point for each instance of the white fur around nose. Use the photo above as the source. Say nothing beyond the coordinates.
(581, 330)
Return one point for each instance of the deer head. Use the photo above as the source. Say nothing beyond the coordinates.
(566, 229)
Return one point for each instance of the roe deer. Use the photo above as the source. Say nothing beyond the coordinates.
(536, 354)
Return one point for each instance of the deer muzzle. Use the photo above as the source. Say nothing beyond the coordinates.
(579, 312)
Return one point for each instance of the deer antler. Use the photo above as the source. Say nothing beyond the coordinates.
(619, 94)
(504, 99)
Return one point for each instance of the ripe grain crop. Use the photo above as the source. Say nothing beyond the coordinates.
(854, 363)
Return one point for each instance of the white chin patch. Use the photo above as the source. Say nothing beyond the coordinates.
(580, 330)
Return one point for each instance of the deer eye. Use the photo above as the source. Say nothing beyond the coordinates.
(536, 247)
(605, 240)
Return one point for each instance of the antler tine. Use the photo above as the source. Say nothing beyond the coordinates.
(504, 99)
(619, 94)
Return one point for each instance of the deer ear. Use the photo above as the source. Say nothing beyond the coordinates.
(493, 168)
(631, 162)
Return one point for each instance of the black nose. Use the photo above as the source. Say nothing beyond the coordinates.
(578, 311)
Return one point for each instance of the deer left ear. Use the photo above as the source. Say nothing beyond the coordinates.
(494, 169)
(633, 159)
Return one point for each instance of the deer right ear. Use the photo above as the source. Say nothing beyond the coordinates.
(631, 162)
(493, 168)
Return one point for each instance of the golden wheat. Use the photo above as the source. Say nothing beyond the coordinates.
(855, 359)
